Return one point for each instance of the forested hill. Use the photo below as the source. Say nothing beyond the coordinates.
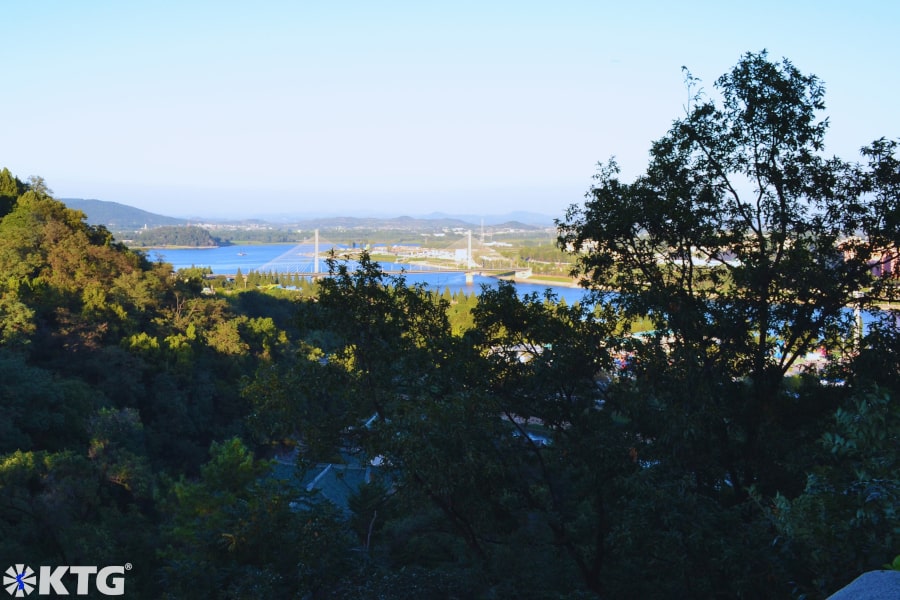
(512, 447)
(122, 218)
(115, 378)
(190, 236)
(119, 217)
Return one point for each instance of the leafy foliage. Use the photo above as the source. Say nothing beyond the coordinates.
(171, 235)
(508, 446)
(745, 246)
(235, 534)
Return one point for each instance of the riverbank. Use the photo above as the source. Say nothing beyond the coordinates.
(887, 306)
(568, 282)
(151, 248)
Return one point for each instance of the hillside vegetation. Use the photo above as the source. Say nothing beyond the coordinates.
(188, 236)
(359, 437)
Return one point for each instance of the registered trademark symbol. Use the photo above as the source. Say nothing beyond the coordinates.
(128, 566)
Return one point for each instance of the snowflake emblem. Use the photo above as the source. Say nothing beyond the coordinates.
(19, 580)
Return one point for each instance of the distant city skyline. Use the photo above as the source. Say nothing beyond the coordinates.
(234, 109)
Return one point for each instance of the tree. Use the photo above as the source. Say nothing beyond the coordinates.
(179, 235)
(65, 508)
(37, 184)
(239, 533)
(10, 189)
(744, 244)
(501, 457)
(569, 457)
(846, 520)
(40, 412)
(66, 279)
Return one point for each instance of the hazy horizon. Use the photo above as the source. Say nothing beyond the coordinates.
(492, 218)
(236, 109)
(318, 205)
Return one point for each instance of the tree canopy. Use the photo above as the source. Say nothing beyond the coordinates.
(742, 241)
(358, 436)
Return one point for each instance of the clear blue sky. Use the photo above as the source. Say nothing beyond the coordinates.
(238, 108)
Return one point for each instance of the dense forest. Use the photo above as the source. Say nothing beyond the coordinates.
(189, 236)
(359, 437)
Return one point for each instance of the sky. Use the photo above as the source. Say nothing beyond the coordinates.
(305, 107)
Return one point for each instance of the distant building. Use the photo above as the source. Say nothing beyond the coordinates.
(882, 263)
(886, 265)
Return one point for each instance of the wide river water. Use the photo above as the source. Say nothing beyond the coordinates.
(294, 258)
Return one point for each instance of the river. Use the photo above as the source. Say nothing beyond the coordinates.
(293, 258)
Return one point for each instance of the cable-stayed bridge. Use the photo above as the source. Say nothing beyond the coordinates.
(308, 259)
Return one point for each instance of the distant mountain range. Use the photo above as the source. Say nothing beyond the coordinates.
(120, 217)
(406, 223)
(520, 216)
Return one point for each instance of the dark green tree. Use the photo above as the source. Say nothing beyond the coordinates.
(744, 244)
(177, 236)
(40, 412)
(239, 533)
(505, 465)
(567, 455)
(391, 383)
(845, 521)
(10, 189)
(68, 508)
(747, 247)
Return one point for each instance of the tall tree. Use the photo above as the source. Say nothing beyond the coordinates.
(239, 533)
(742, 241)
(495, 435)
(10, 189)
